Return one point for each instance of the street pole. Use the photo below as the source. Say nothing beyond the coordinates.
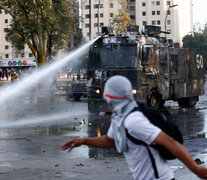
(89, 19)
(98, 17)
(167, 15)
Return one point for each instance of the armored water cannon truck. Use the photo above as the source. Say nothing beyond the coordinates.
(157, 71)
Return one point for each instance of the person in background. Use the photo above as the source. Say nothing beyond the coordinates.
(14, 76)
(6, 73)
(0, 74)
(119, 97)
(78, 75)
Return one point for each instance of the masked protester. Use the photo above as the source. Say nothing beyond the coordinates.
(119, 97)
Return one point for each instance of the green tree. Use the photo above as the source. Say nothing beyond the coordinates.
(44, 25)
(75, 33)
(122, 20)
(197, 41)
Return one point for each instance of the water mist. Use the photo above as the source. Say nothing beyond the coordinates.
(11, 97)
(18, 88)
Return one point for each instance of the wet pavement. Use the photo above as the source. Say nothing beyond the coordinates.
(32, 131)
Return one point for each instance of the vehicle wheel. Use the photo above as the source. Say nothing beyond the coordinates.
(187, 102)
(191, 101)
(155, 100)
(182, 102)
(77, 96)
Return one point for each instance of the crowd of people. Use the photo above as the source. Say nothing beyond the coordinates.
(9, 74)
(4, 74)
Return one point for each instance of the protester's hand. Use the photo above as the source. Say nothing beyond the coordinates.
(74, 142)
(201, 171)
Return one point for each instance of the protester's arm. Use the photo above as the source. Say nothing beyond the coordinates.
(179, 151)
(102, 142)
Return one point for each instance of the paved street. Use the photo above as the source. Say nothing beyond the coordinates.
(31, 133)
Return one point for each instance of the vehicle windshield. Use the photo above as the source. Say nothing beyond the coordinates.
(113, 56)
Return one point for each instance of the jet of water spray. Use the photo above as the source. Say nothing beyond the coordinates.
(42, 120)
(18, 88)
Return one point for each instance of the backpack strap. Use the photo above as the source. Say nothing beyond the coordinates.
(139, 142)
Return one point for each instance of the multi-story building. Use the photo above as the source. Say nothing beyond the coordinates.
(101, 13)
(131, 6)
(7, 51)
(173, 16)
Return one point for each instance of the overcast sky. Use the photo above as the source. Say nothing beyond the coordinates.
(200, 11)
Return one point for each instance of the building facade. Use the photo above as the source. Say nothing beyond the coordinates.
(131, 6)
(101, 13)
(173, 16)
(7, 51)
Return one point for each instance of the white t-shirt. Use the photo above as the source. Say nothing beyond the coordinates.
(137, 156)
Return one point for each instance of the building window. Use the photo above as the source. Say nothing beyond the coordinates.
(153, 3)
(6, 47)
(6, 21)
(157, 3)
(132, 16)
(168, 3)
(153, 22)
(87, 6)
(95, 15)
(87, 16)
(132, 8)
(143, 4)
(168, 12)
(6, 55)
(5, 29)
(101, 24)
(158, 12)
(158, 22)
(111, 5)
(168, 22)
(87, 25)
(101, 15)
(95, 24)
(143, 13)
(88, 34)
(30, 55)
(132, 0)
(144, 23)
(111, 14)
(22, 55)
(96, 6)
(153, 12)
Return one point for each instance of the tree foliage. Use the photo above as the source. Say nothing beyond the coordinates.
(44, 25)
(121, 20)
(75, 33)
(197, 41)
